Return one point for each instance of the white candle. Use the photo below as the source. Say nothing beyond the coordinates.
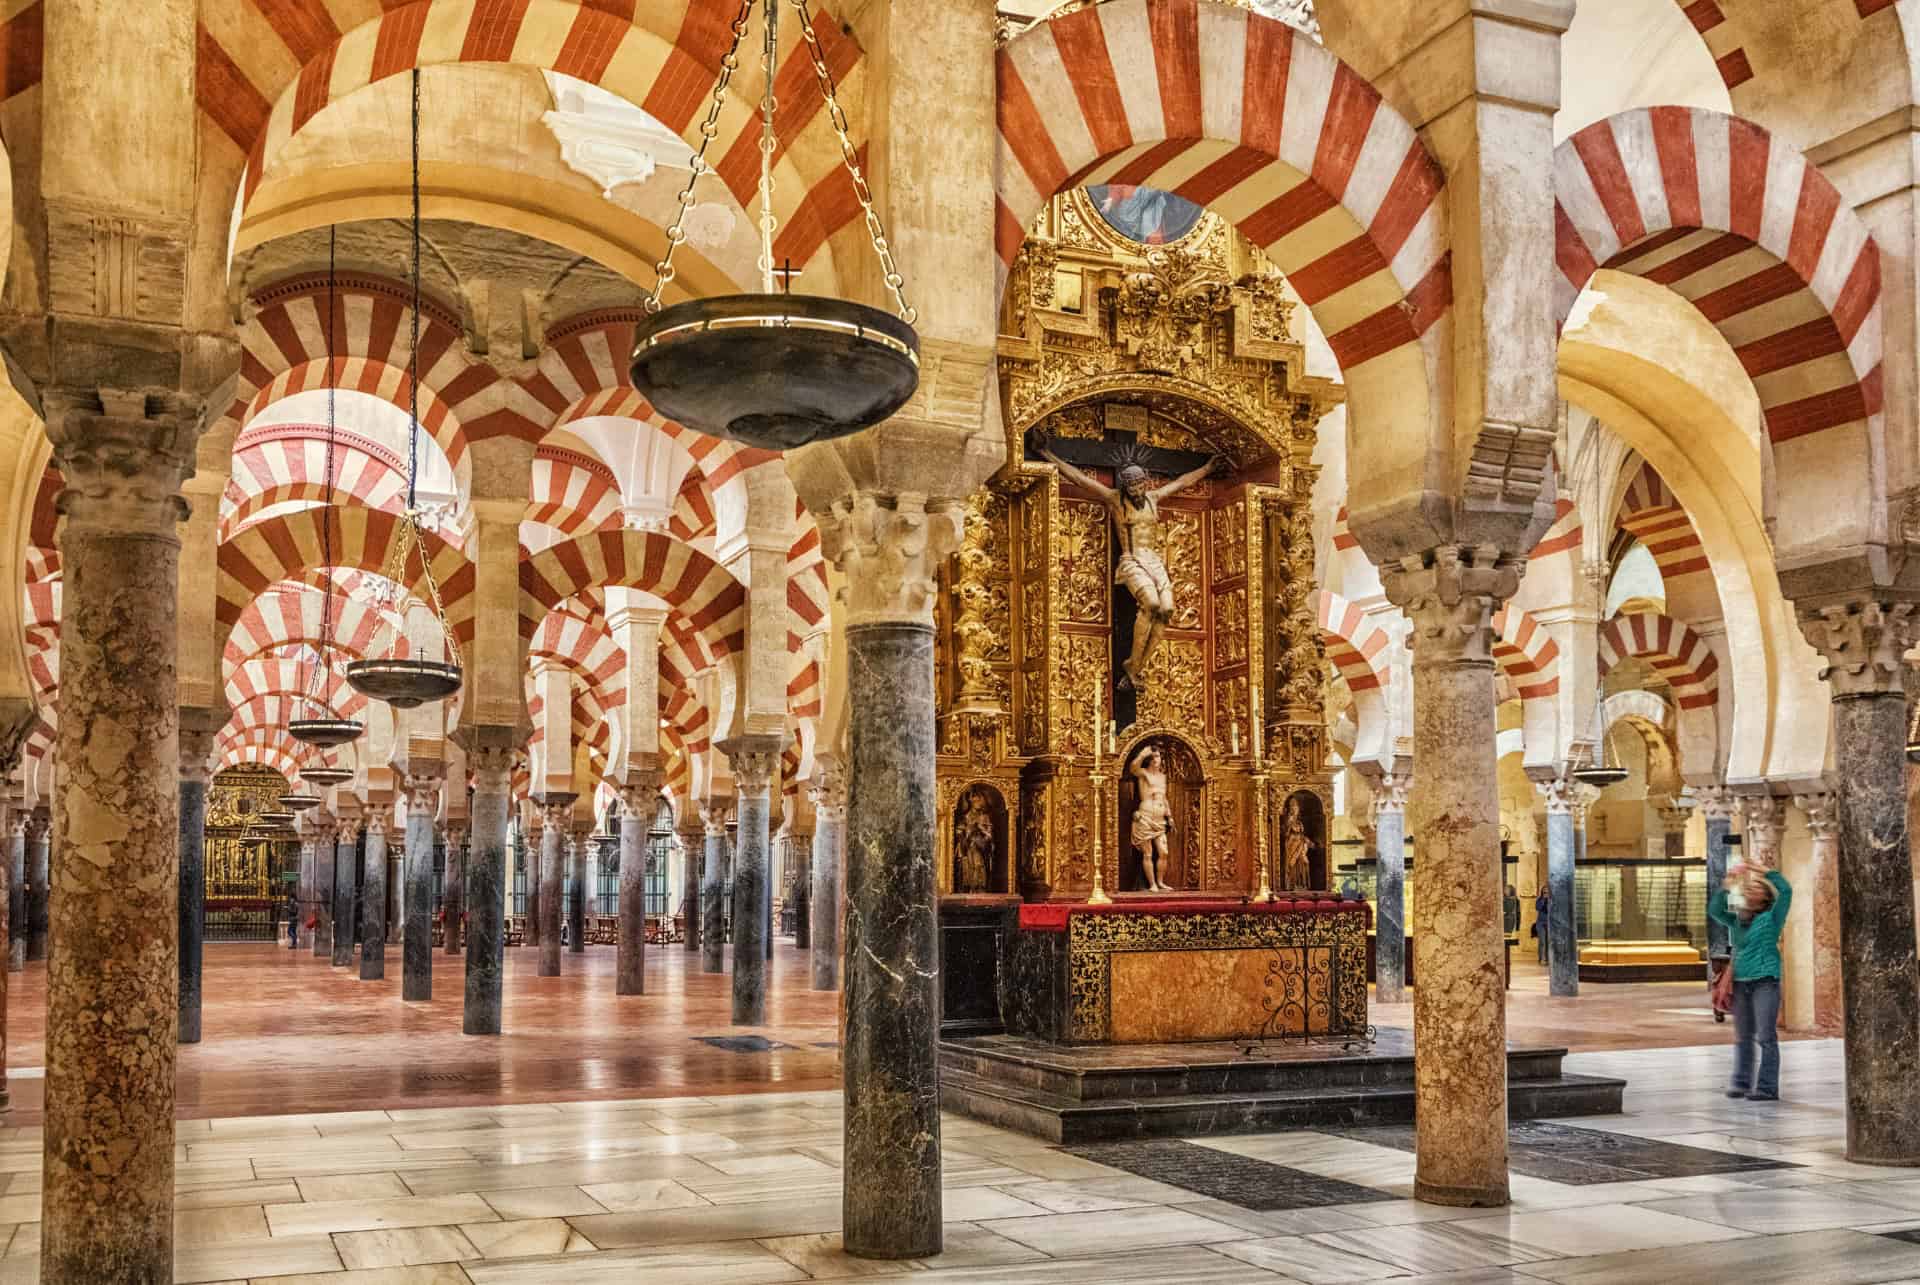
(1256, 725)
(1096, 733)
(1236, 740)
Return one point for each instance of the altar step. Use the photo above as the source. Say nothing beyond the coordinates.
(1070, 1095)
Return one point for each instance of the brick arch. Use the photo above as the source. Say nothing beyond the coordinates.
(1679, 655)
(293, 467)
(1526, 654)
(582, 643)
(711, 602)
(1651, 514)
(693, 514)
(287, 615)
(1764, 246)
(573, 493)
(663, 56)
(288, 546)
(264, 676)
(717, 460)
(1354, 643)
(233, 748)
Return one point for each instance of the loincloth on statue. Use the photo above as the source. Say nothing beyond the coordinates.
(1144, 576)
(1149, 824)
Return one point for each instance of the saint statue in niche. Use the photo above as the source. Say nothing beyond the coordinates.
(974, 843)
(1152, 817)
(1297, 847)
(1134, 504)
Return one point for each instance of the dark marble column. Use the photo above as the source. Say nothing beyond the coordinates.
(373, 899)
(1862, 644)
(324, 827)
(693, 851)
(800, 888)
(581, 860)
(639, 803)
(1390, 901)
(1716, 805)
(453, 901)
(754, 760)
(1459, 942)
(17, 890)
(536, 844)
(1563, 948)
(829, 848)
(713, 889)
(486, 880)
(107, 1199)
(557, 810)
(39, 882)
(416, 944)
(193, 878)
(346, 866)
(891, 1200)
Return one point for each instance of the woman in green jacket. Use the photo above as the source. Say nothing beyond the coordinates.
(1753, 904)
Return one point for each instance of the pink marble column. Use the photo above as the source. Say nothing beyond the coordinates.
(1823, 903)
(639, 802)
(112, 980)
(1459, 999)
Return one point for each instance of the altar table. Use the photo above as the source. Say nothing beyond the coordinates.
(1167, 969)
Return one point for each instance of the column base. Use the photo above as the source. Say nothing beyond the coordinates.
(1885, 1162)
(1462, 1197)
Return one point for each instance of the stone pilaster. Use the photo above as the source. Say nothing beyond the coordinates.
(196, 750)
(453, 899)
(423, 782)
(373, 900)
(754, 760)
(713, 886)
(39, 881)
(486, 880)
(1459, 1005)
(1563, 945)
(112, 987)
(829, 789)
(1822, 899)
(1862, 644)
(346, 881)
(1717, 805)
(556, 813)
(1390, 919)
(639, 800)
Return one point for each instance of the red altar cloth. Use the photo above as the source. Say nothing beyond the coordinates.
(1052, 916)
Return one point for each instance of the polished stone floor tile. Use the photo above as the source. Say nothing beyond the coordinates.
(403, 1246)
(735, 1262)
(527, 1238)
(1831, 1257)
(366, 1215)
(1239, 1180)
(541, 1202)
(1428, 1247)
(1599, 1229)
(1776, 1212)
(1113, 1231)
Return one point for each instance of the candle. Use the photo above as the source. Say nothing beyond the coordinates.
(1096, 733)
(1236, 740)
(1113, 741)
(1256, 725)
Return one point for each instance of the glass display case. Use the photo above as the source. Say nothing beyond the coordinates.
(1641, 899)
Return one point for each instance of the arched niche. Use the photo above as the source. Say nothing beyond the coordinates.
(978, 848)
(1187, 786)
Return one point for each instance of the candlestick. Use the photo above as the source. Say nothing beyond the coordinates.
(1098, 896)
(1262, 849)
(1257, 720)
(1095, 747)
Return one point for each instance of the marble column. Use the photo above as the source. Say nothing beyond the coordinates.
(323, 830)
(581, 861)
(639, 800)
(1862, 644)
(423, 781)
(754, 760)
(453, 900)
(1673, 828)
(346, 868)
(193, 877)
(1390, 920)
(486, 880)
(536, 844)
(829, 851)
(1822, 900)
(17, 891)
(39, 882)
(373, 899)
(557, 809)
(1459, 1005)
(693, 848)
(713, 889)
(1716, 805)
(1563, 946)
(107, 1199)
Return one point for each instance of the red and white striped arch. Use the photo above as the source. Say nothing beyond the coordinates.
(1526, 653)
(1650, 514)
(261, 746)
(1563, 536)
(1678, 655)
(709, 600)
(573, 493)
(564, 389)
(1354, 643)
(288, 547)
(289, 615)
(1249, 117)
(291, 464)
(265, 676)
(1762, 243)
(1722, 40)
(663, 55)
(693, 514)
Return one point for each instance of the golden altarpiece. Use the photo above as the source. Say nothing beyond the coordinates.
(244, 862)
(1162, 355)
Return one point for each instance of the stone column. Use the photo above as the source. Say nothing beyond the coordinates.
(486, 879)
(39, 882)
(1390, 922)
(693, 848)
(754, 760)
(1862, 644)
(423, 781)
(112, 987)
(321, 826)
(829, 849)
(713, 888)
(373, 899)
(17, 825)
(536, 844)
(196, 746)
(1459, 1005)
(1563, 947)
(557, 811)
(346, 868)
(454, 899)
(582, 860)
(639, 799)
(1823, 904)
(1673, 828)
(1716, 805)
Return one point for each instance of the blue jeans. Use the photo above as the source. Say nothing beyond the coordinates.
(1756, 1021)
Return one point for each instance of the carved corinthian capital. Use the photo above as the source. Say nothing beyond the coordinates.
(1450, 594)
(890, 548)
(423, 787)
(828, 790)
(123, 457)
(754, 760)
(1861, 643)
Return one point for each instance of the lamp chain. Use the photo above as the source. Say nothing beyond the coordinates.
(769, 62)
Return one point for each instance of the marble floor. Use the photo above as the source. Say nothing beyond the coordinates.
(739, 1189)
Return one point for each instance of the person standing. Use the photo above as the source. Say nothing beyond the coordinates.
(1753, 904)
(1542, 916)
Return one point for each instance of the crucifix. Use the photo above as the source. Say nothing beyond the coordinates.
(787, 272)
